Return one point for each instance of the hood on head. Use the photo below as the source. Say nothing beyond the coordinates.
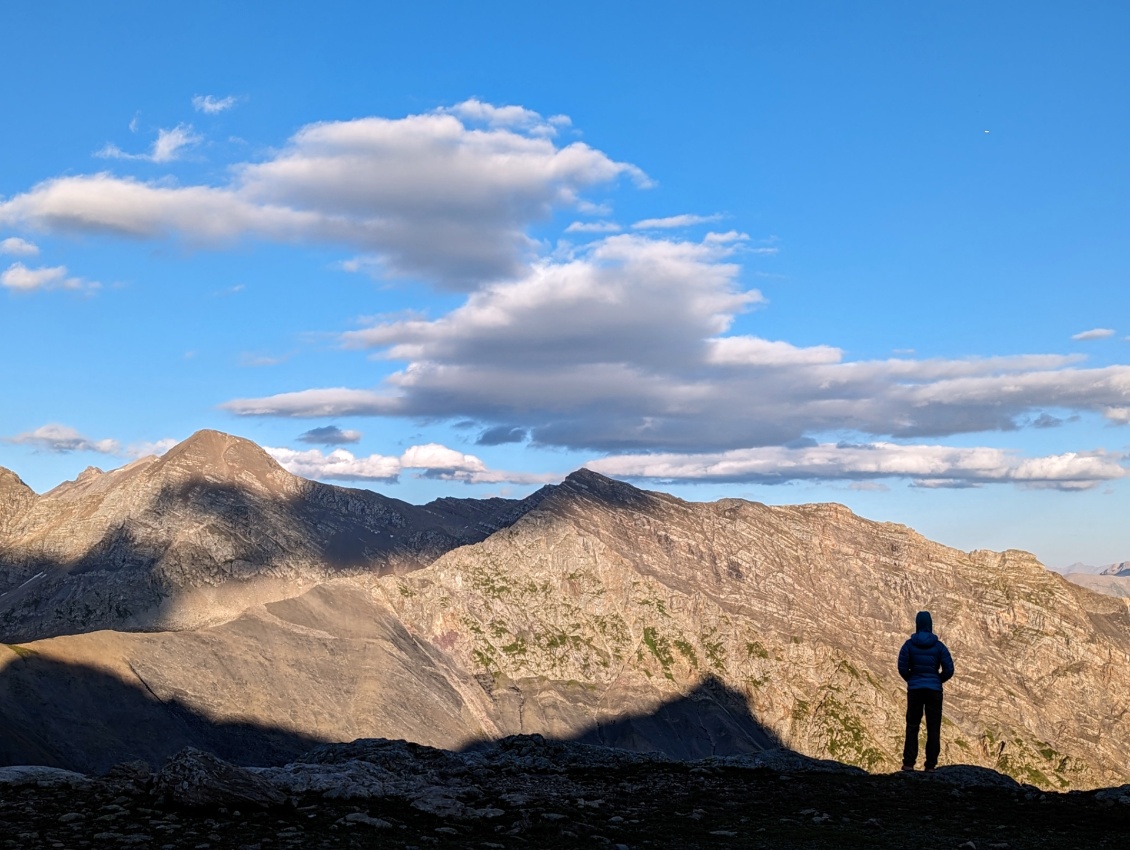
(923, 622)
(924, 640)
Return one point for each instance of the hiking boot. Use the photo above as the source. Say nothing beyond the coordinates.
(908, 767)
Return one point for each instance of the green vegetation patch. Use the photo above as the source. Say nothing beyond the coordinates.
(715, 653)
(660, 648)
(754, 649)
(848, 740)
(687, 651)
(484, 659)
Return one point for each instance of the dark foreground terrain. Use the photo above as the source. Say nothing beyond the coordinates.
(528, 793)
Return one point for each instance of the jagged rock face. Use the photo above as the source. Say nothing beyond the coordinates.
(198, 535)
(16, 498)
(638, 596)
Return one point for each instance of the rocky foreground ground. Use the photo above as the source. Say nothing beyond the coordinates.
(525, 792)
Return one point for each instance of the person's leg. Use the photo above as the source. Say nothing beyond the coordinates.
(933, 704)
(914, 706)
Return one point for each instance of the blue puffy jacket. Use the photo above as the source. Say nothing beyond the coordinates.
(924, 662)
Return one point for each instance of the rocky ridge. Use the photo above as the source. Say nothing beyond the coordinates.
(638, 596)
(526, 791)
(196, 536)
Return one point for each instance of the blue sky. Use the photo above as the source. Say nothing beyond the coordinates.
(867, 253)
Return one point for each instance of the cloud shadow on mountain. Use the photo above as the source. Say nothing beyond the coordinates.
(712, 719)
(113, 584)
(79, 718)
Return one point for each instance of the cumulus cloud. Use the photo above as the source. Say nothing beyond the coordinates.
(627, 346)
(167, 147)
(338, 465)
(17, 247)
(210, 104)
(593, 227)
(627, 300)
(672, 221)
(432, 195)
(21, 278)
(475, 111)
(329, 435)
(147, 449)
(931, 466)
(501, 435)
(1094, 333)
(431, 460)
(61, 439)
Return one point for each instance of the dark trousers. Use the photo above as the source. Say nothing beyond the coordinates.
(917, 700)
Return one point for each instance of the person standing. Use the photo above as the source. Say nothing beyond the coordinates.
(925, 663)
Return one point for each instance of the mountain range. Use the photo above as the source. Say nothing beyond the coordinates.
(1110, 579)
(208, 597)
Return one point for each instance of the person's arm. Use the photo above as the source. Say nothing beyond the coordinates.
(904, 661)
(947, 662)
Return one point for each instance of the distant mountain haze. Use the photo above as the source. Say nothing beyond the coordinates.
(1121, 568)
(218, 600)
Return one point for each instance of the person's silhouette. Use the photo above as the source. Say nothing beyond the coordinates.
(925, 663)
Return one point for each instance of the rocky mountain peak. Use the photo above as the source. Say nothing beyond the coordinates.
(1119, 569)
(223, 458)
(201, 533)
(15, 499)
(587, 486)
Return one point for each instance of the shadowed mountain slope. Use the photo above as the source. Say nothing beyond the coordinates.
(197, 535)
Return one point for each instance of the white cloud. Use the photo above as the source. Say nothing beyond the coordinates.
(61, 439)
(437, 457)
(19, 277)
(925, 465)
(317, 403)
(146, 449)
(166, 148)
(428, 194)
(732, 236)
(627, 299)
(431, 461)
(1094, 333)
(17, 247)
(338, 465)
(671, 221)
(330, 435)
(627, 346)
(752, 351)
(593, 227)
(210, 104)
(474, 111)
